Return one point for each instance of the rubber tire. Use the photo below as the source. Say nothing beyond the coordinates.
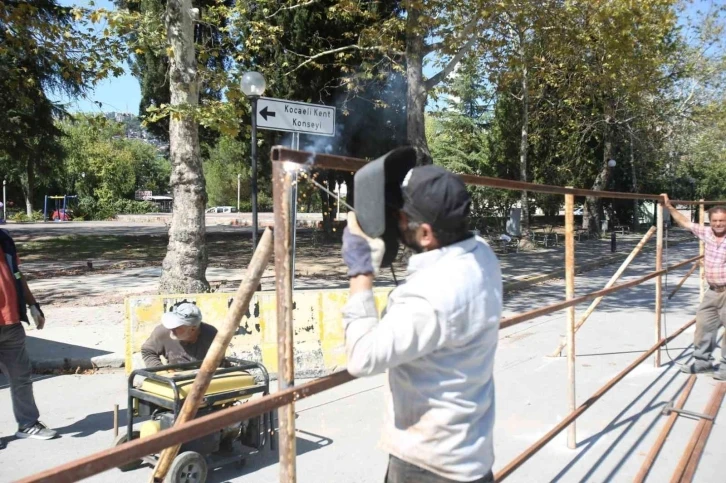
(121, 439)
(180, 465)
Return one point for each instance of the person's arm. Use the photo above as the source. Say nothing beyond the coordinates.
(409, 330)
(679, 218)
(151, 351)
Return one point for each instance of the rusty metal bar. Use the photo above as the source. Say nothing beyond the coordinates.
(529, 452)
(702, 252)
(658, 279)
(720, 391)
(616, 276)
(685, 277)
(283, 178)
(653, 453)
(569, 295)
(525, 316)
(138, 448)
(681, 474)
(699, 202)
(342, 163)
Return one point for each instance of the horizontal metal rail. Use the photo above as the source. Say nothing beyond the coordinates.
(532, 314)
(344, 163)
(519, 460)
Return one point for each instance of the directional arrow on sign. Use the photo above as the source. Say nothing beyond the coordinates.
(265, 112)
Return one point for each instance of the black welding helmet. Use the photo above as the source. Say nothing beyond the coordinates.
(377, 197)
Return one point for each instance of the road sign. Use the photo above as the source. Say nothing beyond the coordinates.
(301, 117)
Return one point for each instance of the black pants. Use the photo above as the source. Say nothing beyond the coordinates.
(401, 472)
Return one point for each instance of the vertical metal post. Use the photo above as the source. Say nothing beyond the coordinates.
(658, 279)
(283, 176)
(5, 202)
(253, 153)
(239, 181)
(293, 207)
(702, 252)
(45, 208)
(570, 294)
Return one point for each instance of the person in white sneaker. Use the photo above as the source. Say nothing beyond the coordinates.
(15, 297)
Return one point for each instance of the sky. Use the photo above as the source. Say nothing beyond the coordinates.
(123, 94)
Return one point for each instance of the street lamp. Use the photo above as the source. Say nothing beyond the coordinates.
(253, 86)
(612, 163)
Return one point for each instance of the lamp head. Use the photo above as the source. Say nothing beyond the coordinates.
(253, 84)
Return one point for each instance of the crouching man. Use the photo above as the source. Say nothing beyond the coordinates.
(437, 337)
(181, 337)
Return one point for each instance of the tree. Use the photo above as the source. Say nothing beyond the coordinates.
(185, 263)
(44, 48)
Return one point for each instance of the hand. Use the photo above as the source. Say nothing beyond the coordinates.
(38, 316)
(666, 200)
(363, 255)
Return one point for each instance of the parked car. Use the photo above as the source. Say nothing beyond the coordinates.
(222, 209)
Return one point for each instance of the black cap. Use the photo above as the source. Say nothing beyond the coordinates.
(434, 195)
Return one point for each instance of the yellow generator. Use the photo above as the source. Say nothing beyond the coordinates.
(157, 395)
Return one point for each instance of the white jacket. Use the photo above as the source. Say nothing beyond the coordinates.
(437, 337)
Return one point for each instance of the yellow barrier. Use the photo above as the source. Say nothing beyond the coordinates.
(319, 337)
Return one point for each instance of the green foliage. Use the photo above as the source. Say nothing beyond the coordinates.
(114, 167)
(22, 217)
(92, 209)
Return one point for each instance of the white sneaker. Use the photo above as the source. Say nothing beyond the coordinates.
(37, 430)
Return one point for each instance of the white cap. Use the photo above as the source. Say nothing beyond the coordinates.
(183, 314)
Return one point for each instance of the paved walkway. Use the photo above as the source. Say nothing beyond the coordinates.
(338, 430)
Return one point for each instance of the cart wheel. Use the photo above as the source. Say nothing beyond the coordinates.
(121, 439)
(188, 467)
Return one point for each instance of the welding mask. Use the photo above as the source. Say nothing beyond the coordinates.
(378, 197)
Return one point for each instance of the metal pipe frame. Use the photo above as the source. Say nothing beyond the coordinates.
(519, 460)
(283, 175)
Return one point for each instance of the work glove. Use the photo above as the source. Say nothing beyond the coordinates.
(38, 316)
(363, 255)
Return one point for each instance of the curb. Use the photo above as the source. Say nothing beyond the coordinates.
(113, 360)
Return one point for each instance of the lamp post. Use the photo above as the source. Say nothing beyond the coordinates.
(239, 180)
(253, 86)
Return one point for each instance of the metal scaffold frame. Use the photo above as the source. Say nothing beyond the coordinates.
(286, 164)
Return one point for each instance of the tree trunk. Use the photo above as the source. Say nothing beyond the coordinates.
(416, 87)
(592, 212)
(185, 264)
(524, 142)
(634, 184)
(28, 183)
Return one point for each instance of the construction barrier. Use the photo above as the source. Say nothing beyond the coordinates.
(303, 329)
(318, 326)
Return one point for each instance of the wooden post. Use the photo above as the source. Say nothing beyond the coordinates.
(570, 294)
(610, 283)
(115, 421)
(216, 352)
(702, 252)
(283, 176)
(658, 279)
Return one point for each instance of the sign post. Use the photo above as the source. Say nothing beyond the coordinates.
(295, 117)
